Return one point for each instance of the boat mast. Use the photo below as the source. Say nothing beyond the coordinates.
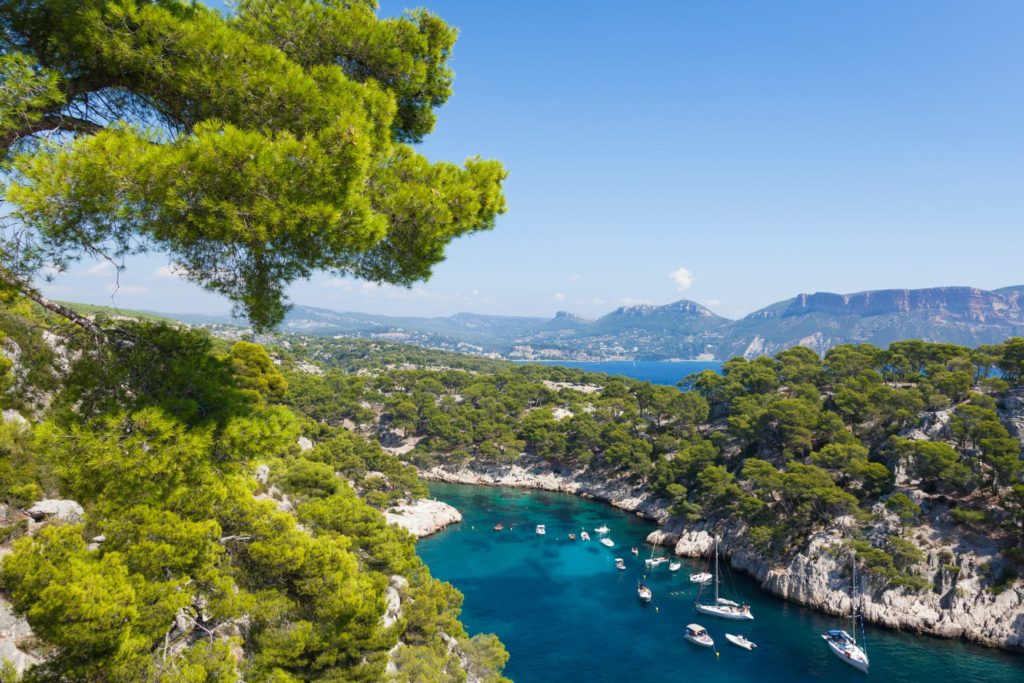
(853, 600)
(716, 570)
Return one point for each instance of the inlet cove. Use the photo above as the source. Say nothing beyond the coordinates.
(566, 614)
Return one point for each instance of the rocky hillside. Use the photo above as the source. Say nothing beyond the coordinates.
(165, 517)
(907, 459)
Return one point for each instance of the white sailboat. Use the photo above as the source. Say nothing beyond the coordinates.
(722, 607)
(584, 535)
(674, 566)
(702, 577)
(643, 592)
(541, 530)
(603, 529)
(842, 644)
(608, 542)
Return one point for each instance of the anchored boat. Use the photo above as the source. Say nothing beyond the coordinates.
(842, 644)
(722, 607)
(740, 641)
(696, 634)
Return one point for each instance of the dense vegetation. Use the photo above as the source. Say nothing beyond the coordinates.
(185, 567)
(781, 445)
(251, 148)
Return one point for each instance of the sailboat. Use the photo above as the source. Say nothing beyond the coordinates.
(643, 592)
(843, 645)
(723, 607)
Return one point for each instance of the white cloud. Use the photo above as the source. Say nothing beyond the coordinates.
(558, 296)
(101, 269)
(127, 290)
(339, 283)
(683, 279)
(171, 270)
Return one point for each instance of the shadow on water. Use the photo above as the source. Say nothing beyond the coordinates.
(566, 614)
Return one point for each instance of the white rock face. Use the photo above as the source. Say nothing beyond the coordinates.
(13, 630)
(423, 517)
(1011, 412)
(14, 416)
(263, 474)
(534, 473)
(393, 595)
(305, 444)
(52, 508)
(817, 577)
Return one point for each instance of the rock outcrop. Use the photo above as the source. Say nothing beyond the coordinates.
(958, 606)
(534, 473)
(423, 517)
(14, 630)
(55, 509)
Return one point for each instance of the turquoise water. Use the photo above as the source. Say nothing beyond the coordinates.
(566, 614)
(654, 371)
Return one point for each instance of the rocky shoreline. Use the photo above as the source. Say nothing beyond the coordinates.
(959, 606)
(423, 517)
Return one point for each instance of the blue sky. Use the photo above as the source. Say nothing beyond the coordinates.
(764, 148)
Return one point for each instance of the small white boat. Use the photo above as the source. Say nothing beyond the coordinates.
(584, 535)
(608, 542)
(603, 529)
(703, 577)
(696, 634)
(655, 561)
(674, 566)
(740, 641)
(541, 530)
(620, 563)
(644, 592)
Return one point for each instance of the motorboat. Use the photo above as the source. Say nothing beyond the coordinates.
(740, 641)
(603, 529)
(643, 592)
(499, 526)
(572, 537)
(842, 644)
(674, 566)
(723, 607)
(703, 577)
(696, 634)
(634, 550)
(608, 542)
(620, 563)
(584, 535)
(541, 530)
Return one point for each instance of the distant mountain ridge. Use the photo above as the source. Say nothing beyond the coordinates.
(685, 329)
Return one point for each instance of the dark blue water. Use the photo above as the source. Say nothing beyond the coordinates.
(566, 614)
(653, 371)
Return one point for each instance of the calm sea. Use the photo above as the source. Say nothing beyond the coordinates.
(654, 371)
(566, 614)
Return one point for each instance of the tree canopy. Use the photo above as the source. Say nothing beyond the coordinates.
(253, 149)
